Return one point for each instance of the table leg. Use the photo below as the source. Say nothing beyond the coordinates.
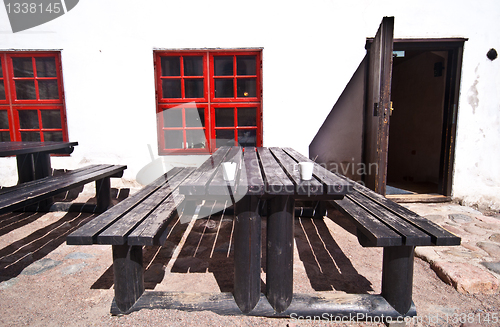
(128, 275)
(247, 253)
(103, 194)
(279, 272)
(397, 277)
(25, 168)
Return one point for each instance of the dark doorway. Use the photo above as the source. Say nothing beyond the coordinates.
(424, 94)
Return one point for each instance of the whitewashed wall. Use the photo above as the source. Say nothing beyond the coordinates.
(310, 51)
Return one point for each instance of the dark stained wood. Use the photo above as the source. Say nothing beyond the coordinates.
(376, 232)
(197, 183)
(219, 186)
(16, 148)
(87, 234)
(410, 234)
(275, 179)
(128, 274)
(310, 188)
(332, 183)
(118, 232)
(247, 253)
(35, 191)
(279, 264)
(251, 181)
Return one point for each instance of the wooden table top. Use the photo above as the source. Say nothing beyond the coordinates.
(16, 148)
(263, 171)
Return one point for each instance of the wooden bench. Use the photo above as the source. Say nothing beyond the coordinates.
(383, 223)
(40, 192)
(140, 220)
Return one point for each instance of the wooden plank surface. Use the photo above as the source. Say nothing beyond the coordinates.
(219, 186)
(275, 179)
(251, 175)
(289, 165)
(197, 183)
(332, 183)
(412, 236)
(376, 232)
(87, 234)
(38, 190)
(16, 148)
(117, 233)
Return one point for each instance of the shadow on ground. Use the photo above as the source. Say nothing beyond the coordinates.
(208, 248)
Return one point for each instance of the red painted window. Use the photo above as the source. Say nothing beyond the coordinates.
(206, 99)
(31, 97)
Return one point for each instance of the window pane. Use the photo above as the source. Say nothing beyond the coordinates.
(2, 91)
(30, 137)
(247, 137)
(25, 90)
(224, 88)
(52, 136)
(247, 116)
(224, 137)
(193, 66)
(51, 119)
(1, 69)
(23, 67)
(246, 65)
(4, 137)
(196, 139)
(4, 119)
(195, 117)
(224, 117)
(171, 66)
(223, 66)
(194, 88)
(174, 139)
(172, 118)
(46, 67)
(247, 87)
(28, 119)
(171, 88)
(47, 89)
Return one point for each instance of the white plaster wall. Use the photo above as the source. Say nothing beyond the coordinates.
(310, 51)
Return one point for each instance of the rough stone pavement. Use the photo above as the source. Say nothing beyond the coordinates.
(474, 266)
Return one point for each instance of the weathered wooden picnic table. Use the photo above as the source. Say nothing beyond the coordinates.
(37, 186)
(266, 183)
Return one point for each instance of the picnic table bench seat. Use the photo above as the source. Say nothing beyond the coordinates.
(40, 191)
(139, 220)
(381, 222)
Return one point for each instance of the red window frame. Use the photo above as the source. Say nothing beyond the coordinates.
(44, 125)
(250, 78)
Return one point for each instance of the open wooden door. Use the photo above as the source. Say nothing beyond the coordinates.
(378, 106)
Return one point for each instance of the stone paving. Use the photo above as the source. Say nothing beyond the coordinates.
(474, 266)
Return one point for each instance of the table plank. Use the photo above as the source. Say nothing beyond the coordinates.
(275, 179)
(251, 175)
(197, 182)
(219, 186)
(289, 165)
(18, 148)
(333, 184)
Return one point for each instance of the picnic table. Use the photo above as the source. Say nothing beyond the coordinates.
(269, 174)
(268, 184)
(37, 186)
(33, 158)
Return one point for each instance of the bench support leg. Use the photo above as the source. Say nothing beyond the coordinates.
(128, 275)
(103, 194)
(397, 277)
(279, 274)
(247, 253)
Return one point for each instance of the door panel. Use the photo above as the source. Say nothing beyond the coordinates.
(377, 110)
